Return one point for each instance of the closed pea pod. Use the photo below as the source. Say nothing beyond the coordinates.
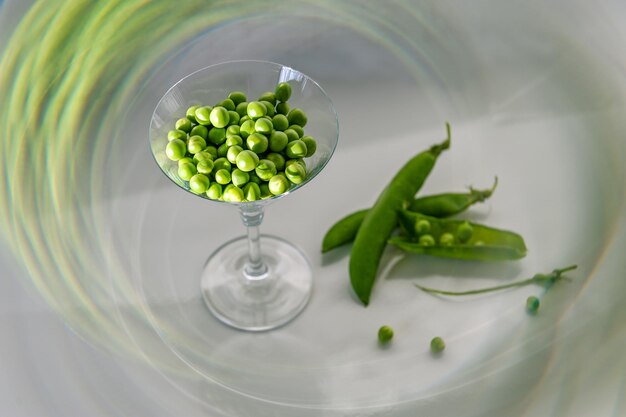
(381, 220)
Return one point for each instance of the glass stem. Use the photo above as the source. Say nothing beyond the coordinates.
(252, 217)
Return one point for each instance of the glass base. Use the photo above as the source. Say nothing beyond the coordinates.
(257, 303)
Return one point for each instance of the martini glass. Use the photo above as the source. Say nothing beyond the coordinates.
(255, 282)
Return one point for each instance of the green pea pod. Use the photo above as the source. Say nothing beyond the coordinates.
(439, 205)
(382, 218)
(485, 243)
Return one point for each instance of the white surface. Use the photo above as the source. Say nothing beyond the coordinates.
(535, 94)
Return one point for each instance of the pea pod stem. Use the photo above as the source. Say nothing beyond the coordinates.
(542, 279)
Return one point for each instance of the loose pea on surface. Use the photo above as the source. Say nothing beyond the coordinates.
(228, 104)
(269, 108)
(298, 129)
(221, 163)
(215, 191)
(265, 190)
(283, 108)
(232, 152)
(239, 178)
(222, 150)
(176, 134)
(233, 117)
(280, 122)
(234, 140)
(385, 334)
(263, 126)
(217, 135)
(233, 194)
(205, 167)
(252, 191)
(196, 144)
(247, 128)
(186, 171)
(203, 156)
(242, 109)
(233, 130)
(532, 304)
(268, 96)
(437, 345)
(222, 176)
(212, 150)
(191, 113)
(292, 135)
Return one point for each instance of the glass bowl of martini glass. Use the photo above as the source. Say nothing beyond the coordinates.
(247, 134)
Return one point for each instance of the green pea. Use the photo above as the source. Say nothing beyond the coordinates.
(446, 239)
(296, 149)
(291, 135)
(222, 176)
(242, 110)
(295, 173)
(426, 240)
(233, 130)
(247, 128)
(234, 140)
(257, 143)
(280, 122)
(205, 167)
(263, 125)
(183, 124)
(464, 232)
(222, 151)
(311, 145)
(297, 117)
(269, 97)
(199, 183)
(237, 97)
(203, 156)
(233, 118)
(437, 345)
(283, 108)
(176, 134)
(215, 191)
(247, 160)
(282, 92)
(277, 141)
(278, 184)
(191, 113)
(298, 161)
(239, 178)
(532, 304)
(277, 159)
(222, 163)
(254, 177)
(232, 152)
(186, 171)
(265, 170)
(233, 194)
(200, 130)
(256, 109)
(211, 150)
(422, 226)
(186, 160)
(269, 107)
(265, 190)
(298, 129)
(385, 334)
(228, 104)
(203, 115)
(217, 135)
(196, 144)
(252, 192)
(219, 116)
(176, 149)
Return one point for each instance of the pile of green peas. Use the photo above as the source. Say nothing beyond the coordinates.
(240, 150)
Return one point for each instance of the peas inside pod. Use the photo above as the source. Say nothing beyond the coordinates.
(239, 149)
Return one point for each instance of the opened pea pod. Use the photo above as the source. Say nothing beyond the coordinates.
(436, 205)
(457, 239)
